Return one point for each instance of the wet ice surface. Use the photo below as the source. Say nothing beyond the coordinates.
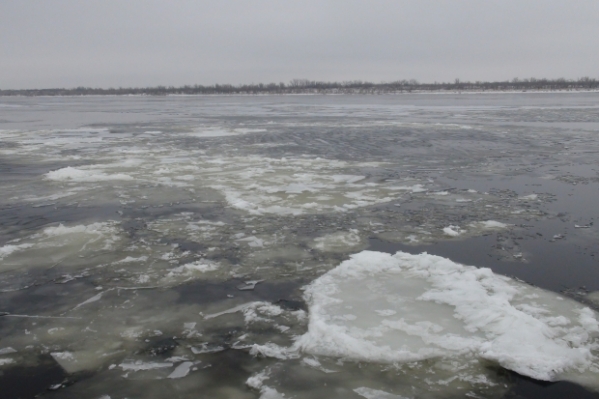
(162, 246)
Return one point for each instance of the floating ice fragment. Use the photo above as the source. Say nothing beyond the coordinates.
(315, 364)
(270, 393)
(386, 312)
(338, 242)
(87, 175)
(452, 231)
(586, 226)
(130, 259)
(370, 393)
(5, 361)
(248, 285)
(93, 299)
(256, 381)
(228, 311)
(7, 351)
(273, 350)
(253, 242)
(489, 225)
(189, 269)
(206, 348)
(142, 366)
(181, 370)
(529, 197)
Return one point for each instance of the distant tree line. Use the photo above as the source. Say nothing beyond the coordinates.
(305, 86)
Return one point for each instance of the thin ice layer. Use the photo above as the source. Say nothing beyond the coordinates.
(378, 307)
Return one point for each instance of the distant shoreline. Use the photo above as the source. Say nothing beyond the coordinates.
(414, 92)
(306, 87)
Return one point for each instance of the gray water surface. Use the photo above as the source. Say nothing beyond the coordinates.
(126, 221)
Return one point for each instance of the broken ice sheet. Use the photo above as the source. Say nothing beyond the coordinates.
(452, 311)
(338, 242)
(248, 285)
(64, 245)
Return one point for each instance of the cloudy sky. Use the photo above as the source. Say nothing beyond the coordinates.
(104, 43)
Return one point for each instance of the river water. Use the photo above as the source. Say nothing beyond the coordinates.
(300, 246)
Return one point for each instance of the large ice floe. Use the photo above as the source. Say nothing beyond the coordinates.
(382, 308)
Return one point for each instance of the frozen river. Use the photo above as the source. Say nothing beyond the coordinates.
(378, 247)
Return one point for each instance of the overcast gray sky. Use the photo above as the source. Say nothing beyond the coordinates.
(103, 43)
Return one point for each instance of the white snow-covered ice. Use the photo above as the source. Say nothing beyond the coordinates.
(442, 309)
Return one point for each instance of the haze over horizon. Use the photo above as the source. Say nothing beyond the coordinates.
(106, 43)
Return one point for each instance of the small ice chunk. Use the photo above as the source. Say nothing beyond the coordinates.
(489, 225)
(315, 364)
(188, 269)
(130, 259)
(386, 312)
(63, 356)
(270, 393)
(248, 285)
(7, 351)
(338, 242)
(452, 231)
(181, 370)
(370, 393)
(94, 298)
(6, 360)
(206, 348)
(529, 197)
(257, 380)
(228, 311)
(142, 366)
(272, 350)
(88, 175)
(253, 242)
(176, 359)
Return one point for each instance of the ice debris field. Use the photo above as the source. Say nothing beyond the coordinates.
(299, 247)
